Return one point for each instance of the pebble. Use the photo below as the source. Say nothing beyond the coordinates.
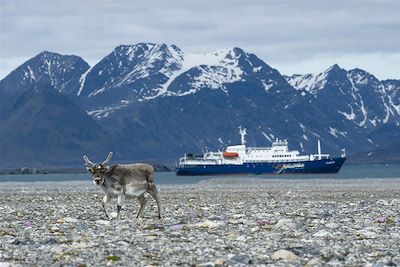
(322, 233)
(284, 255)
(209, 224)
(103, 222)
(285, 224)
(70, 220)
(218, 222)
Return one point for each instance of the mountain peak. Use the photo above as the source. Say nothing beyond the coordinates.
(362, 77)
(360, 72)
(237, 51)
(60, 71)
(334, 68)
(47, 54)
(147, 46)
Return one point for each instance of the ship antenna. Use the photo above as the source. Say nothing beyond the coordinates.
(319, 149)
(242, 132)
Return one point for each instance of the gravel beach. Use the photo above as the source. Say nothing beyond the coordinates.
(218, 222)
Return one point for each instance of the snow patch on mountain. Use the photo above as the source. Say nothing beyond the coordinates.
(268, 84)
(31, 73)
(82, 80)
(349, 116)
(106, 111)
(358, 98)
(308, 82)
(215, 69)
(335, 132)
(186, 62)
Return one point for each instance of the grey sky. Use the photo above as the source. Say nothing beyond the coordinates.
(292, 36)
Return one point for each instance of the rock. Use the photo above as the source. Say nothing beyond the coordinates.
(176, 227)
(284, 255)
(322, 233)
(54, 229)
(313, 263)
(285, 224)
(326, 214)
(102, 222)
(241, 238)
(209, 224)
(70, 220)
(382, 202)
(56, 249)
(241, 259)
(331, 225)
(205, 264)
(80, 245)
(365, 234)
(219, 262)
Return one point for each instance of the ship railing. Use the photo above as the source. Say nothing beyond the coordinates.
(319, 156)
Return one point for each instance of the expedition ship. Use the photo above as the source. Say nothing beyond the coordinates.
(240, 159)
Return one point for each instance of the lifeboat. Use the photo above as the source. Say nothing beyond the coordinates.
(230, 154)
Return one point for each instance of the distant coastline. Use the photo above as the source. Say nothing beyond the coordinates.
(28, 170)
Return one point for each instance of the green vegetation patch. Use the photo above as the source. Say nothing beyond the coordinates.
(113, 258)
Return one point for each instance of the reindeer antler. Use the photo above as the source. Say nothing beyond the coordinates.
(107, 159)
(88, 162)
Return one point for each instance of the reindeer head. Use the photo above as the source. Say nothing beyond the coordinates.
(97, 171)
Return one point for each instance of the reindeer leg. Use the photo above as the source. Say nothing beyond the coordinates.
(106, 199)
(143, 202)
(154, 194)
(119, 205)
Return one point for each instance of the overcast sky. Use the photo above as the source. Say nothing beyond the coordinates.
(292, 36)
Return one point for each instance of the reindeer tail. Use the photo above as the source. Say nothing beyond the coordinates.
(150, 181)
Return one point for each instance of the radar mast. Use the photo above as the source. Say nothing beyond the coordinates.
(242, 132)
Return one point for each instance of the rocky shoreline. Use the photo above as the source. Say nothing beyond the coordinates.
(220, 222)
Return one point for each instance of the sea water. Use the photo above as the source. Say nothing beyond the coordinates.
(347, 172)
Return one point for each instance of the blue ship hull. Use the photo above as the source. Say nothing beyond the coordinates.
(331, 165)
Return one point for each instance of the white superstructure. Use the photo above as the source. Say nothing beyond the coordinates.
(240, 154)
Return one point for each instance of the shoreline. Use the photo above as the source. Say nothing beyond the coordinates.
(158, 168)
(248, 181)
(217, 222)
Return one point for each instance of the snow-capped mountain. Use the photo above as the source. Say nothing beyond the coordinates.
(217, 70)
(160, 101)
(145, 71)
(135, 70)
(59, 71)
(311, 83)
(354, 95)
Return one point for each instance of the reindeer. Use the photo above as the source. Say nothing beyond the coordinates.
(124, 181)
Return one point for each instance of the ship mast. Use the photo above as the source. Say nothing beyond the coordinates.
(242, 132)
(319, 149)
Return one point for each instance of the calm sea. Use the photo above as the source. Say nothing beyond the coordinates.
(347, 172)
